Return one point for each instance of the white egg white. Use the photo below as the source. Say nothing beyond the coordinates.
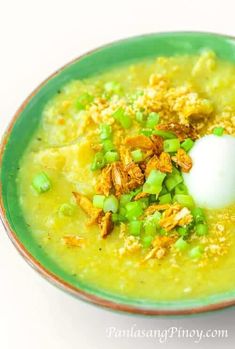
(211, 181)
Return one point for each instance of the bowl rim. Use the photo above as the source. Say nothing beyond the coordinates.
(52, 277)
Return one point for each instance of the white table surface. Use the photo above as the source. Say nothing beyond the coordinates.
(37, 37)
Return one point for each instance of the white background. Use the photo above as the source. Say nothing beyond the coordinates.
(36, 38)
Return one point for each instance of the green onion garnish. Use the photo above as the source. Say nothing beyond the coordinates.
(153, 198)
(152, 120)
(164, 134)
(105, 131)
(184, 200)
(181, 189)
(115, 218)
(41, 183)
(196, 252)
(146, 132)
(165, 199)
(163, 191)
(111, 156)
(151, 223)
(162, 231)
(122, 212)
(198, 215)
(146, 241)
(172, 180)
(144, 202)
(201, 229)
(134, 227)
(137, 155)
(181, 244)
(98, 162)
(134, 192)
(187, 144)
(124, 119)
(153, 184)
(171, 145)
(218, 131)
(108, 145)
(83, 100)
(98, 201)
(111, 204)
(139, 117)
(133, 210)
(183, 231)
(124, 199)
(150, 227)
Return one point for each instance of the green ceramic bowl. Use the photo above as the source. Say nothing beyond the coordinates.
(26, 121)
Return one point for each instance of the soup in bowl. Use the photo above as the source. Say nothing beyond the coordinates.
(118, 175)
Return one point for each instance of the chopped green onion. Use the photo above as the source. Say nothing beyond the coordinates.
(153, 184)
(181, 189)
(155, 217)
(152, 120)
(135, 227)
(165, 199)
(111, 156)
(201, 229)
(184, 200)
(139, 117)
(183, 231)
(112, 86)
(136, 191)
(98, 201)
(163, 191)
(144, 202)
(133, 210)
(147, 241)
(122, 212)
(66, 210)
(153, 198)
(105, 131)
(196, 252)
(146, 132)
(108, 145)
(83, 100)
(150, 227)
(124, 119)
(115, 218)
(187, 144)
(171, 145)
(98, 162)
(198, 215)
(181, 244)
(172, 180)
(164, 134)
(151, 223)
(41, 183)
(175, 171)
(124, 199)
(218, 131)
(162, 231)
(137, 155)
(111, 204)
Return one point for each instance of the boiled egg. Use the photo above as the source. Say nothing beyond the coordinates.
(211, 181)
